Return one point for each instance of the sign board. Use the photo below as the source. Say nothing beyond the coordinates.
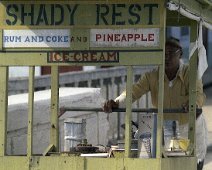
(69, 13)
(124, 37)
(82, 31)
(61, 38)
(84, 56)
(36, 38)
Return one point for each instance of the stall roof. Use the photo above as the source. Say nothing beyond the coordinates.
(200, 8)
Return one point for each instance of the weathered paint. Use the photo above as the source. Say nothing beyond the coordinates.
(86, 56)
(128, 116)
(81, 17)
(80, 163)
(3, 109)
(126, 57)
(54, 131)
(31, 110)
(124, 37)
(36, 20)
(43, 38)
(1, 42)
(77, 14)
(192, 93)
(203, 9)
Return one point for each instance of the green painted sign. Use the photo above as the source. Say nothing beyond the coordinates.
(68, 14)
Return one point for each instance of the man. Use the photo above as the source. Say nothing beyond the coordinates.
(176, 93)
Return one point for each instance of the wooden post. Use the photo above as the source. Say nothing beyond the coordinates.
(3, 109)
(192, 90)
(30, 111)
(128, 115)
(54, 132)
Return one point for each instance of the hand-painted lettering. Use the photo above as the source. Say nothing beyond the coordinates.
(40, 14)
(102, 11)
(11, 10)
(117, 14)
(122, 14)
(75, 14)
(59, 8)
(11, 39)
(150, 6)
(72, 13)
(133, 11)
(115, 37)
(84, 56)
(27, 14)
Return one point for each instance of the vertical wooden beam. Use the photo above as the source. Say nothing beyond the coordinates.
(1, 39)
(159, 136)
(160, 112)
(3, 109)
(154, 135)
(97, 126)
(30, 111)
(54, 132)
(192, 89)
(128, 115)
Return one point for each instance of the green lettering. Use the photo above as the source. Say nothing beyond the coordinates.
(11, 10)
(133, 12)
(117, 14)
(150, 6)
(26, 14)
(42, 16)
(72, 13)
(100, 14)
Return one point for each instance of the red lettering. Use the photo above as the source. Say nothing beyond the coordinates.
(137, 36)
(98, 36)
(124, 38)
(110, 37)
(117, 37)
(151, 37)
(143, 38)
(129, 36)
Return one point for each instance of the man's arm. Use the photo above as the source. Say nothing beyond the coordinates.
(138, 89)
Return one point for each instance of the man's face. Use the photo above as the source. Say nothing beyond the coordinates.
(172, 57)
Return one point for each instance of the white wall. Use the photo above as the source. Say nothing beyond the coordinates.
(22, 71)
(69, 97)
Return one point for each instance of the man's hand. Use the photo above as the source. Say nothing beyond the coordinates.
(109, 105)
(185, 107)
